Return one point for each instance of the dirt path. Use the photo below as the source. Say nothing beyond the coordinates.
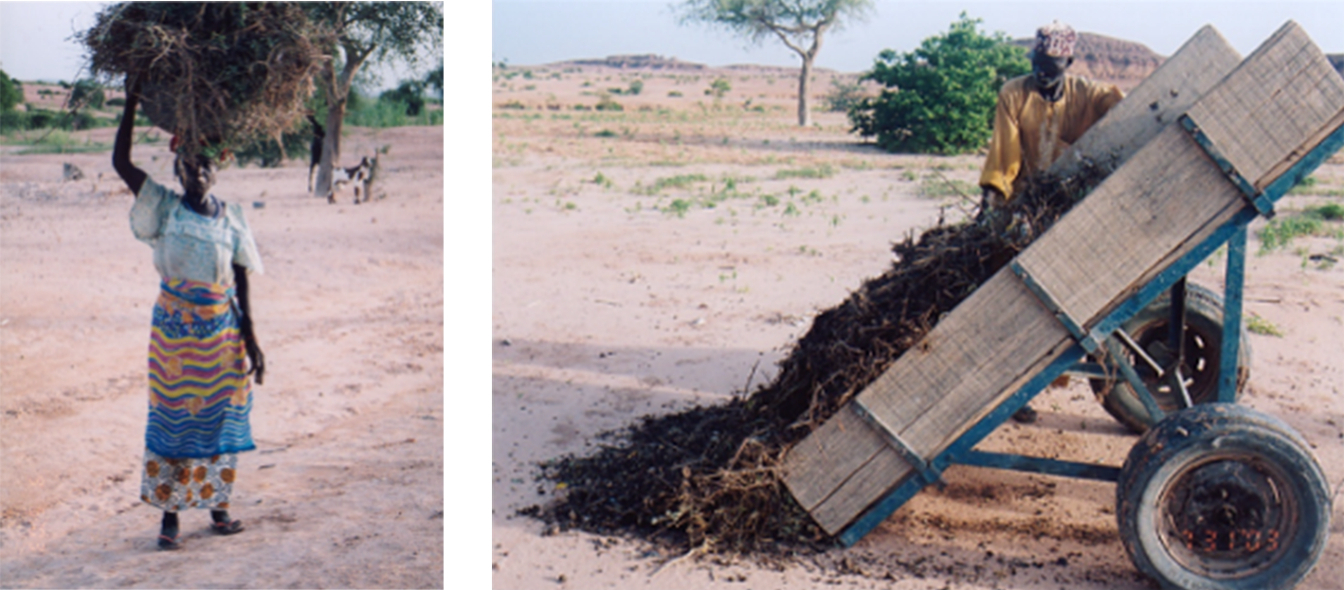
(346, 488)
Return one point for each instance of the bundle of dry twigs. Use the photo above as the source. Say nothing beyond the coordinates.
(213, 74)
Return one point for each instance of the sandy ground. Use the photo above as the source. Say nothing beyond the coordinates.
(668, 254)
(346, 488)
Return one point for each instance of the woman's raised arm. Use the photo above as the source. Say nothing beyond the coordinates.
(121, 150)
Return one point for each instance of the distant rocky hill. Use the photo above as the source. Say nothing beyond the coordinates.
(647, 61)
(1107, 59)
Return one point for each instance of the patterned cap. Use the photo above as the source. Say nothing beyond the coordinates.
(1056, 40)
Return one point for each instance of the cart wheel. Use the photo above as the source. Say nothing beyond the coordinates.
(1219, 496)
(1203, 345)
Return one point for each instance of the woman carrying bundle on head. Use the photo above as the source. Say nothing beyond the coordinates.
(199, 386)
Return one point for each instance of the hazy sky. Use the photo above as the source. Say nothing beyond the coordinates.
(533, 32)
(35, 41)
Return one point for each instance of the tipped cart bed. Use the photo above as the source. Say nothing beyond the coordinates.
(1214, 495)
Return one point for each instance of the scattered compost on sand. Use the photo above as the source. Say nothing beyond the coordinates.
(707, 479)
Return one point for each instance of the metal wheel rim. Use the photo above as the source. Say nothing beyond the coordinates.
(1198, 532)
(1199, 368)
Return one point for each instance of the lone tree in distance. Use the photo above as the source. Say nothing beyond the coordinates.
(799, 24)
(365, 32)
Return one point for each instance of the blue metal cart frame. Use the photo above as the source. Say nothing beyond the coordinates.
(1232, 233)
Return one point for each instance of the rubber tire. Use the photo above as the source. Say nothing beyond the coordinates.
(1204, 338)
(1197, 438)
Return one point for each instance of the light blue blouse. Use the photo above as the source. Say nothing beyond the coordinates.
(188, 245)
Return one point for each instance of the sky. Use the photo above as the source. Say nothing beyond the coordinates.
(535, 32)
(36, 44)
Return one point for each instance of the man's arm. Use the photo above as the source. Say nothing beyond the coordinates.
(1004, 160)
(121, 150)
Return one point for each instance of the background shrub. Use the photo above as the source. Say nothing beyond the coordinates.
(940, 97)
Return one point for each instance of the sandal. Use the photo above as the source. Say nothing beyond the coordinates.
(167, 543)
(227, 528)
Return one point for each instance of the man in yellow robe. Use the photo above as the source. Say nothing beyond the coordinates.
(1038, 117)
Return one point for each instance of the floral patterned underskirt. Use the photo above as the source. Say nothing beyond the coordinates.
(174, 485)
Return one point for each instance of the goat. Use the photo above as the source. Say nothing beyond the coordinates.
(355, 175)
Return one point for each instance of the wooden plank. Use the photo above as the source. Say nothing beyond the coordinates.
(877, 476)
(1272, 103)
(839, 448)
(1131, 221)
(1152, 210)
(1199, 64)
(1000, 319)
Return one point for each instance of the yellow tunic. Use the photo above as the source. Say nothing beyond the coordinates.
(1031, 132)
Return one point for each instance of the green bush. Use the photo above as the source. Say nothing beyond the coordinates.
(11, 92)
(45, 119)
(12, 121)
(718, 88)
(265, 153)
(409, 93)
(88, 93)
(843, 96)
(607, 104)
(390, 113)
(940, 97)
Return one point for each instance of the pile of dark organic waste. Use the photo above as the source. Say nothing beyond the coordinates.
(708, 478)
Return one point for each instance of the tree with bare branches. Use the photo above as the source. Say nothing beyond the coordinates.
(799, 24)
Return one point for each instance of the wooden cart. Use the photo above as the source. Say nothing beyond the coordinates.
(1214, 495)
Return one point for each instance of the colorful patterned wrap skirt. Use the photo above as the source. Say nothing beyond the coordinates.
(199, 393)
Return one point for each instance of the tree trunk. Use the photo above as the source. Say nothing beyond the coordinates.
(804, 82)
(337, 90)
(331, 147)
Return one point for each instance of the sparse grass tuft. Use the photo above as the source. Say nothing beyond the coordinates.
(680, 181)
(678, 207)
(822, 171)
(937, 186)
(1312, 221)
(1258, 325)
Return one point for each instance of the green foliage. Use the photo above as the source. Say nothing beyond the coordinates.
(265, 153)
(434, 79)
(15, 120)
(718, 88)
(1258, 325)
(410, 93)
(822, 171)
(389, 113)
(54, 141)
(1312, 221)
(1328, 211)
(679, 181)
(940, 97)
(606, 103)
(12, 121)
(636, 87)
(11, 92)
(843, 96)
(87, 93)
(679, 207)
